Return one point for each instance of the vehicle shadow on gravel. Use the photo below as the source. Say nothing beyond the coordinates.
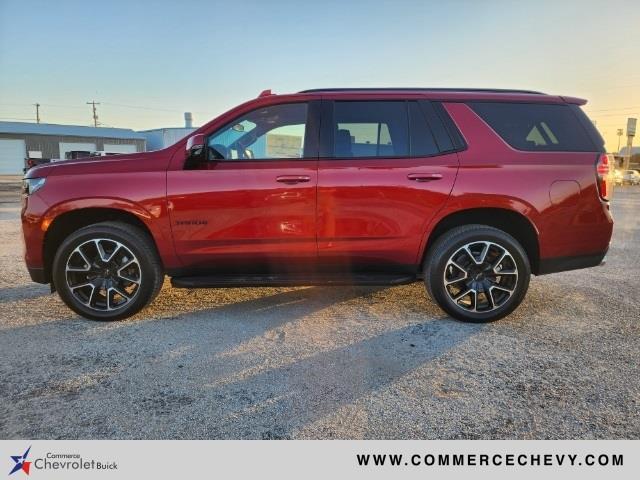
(278, 403)
(23, 292)
(188, 377)
(276, 393)
(268, 308)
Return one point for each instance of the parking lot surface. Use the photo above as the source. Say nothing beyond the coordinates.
(326, 362)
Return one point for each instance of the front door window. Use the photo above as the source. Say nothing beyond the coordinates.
(273, 132)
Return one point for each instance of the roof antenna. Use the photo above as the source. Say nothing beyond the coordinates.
(265, 93)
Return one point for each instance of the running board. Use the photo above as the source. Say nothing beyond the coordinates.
(235, 281)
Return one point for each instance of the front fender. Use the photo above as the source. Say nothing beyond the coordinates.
(153, 215)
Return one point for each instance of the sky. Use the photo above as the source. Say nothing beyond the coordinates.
(148, 62)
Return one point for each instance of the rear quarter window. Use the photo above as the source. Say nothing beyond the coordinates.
(536, 127)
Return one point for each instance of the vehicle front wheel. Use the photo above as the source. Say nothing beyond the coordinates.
(477, 273)
(107, 271)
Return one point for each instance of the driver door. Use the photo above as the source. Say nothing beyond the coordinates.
(250, 206)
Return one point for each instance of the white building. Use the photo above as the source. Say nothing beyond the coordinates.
(160, 138)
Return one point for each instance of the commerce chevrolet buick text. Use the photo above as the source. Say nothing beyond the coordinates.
(471, 191)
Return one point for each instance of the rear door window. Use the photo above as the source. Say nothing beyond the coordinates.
(536, 127)
(370, 129)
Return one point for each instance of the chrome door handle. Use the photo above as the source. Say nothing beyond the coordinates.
(424, 177)
(290, 179)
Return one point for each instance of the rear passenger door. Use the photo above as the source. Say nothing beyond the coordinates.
(386, 168)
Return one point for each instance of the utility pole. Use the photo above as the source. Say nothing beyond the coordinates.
(37, 105)
(95, 114)
(620, 133)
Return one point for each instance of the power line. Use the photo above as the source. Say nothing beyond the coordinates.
(17, 119)
(142, 108)
(630, 107)
(121, 105)
(616, 114)
(42, 104)
(62, 106)
(622, 110)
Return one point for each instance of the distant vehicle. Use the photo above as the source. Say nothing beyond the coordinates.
(103, 153)
(73, 154)
(469, 191)
(618, 177)
(76, 154)
(33, 162)
(631, 177)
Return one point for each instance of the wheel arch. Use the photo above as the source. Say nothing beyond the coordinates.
(510, 221)
(62, 225)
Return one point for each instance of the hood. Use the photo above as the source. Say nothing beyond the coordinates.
(127, 162)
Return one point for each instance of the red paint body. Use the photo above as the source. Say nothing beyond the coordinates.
(349, 213)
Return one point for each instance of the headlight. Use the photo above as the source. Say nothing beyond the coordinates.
(31, 185)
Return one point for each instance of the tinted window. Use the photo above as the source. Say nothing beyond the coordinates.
(276, 131)
(436, 121)
(589, 126)
(536, 127)
(422, 141)
(370, 129)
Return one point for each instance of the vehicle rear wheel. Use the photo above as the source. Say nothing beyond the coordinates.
(477, 273)
(107, 271)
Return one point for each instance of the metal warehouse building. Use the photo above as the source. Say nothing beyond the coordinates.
(41, 140)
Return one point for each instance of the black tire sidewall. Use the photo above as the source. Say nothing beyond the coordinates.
(136, 243)
(448, 244)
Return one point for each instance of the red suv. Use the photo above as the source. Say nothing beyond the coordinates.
(471, 191)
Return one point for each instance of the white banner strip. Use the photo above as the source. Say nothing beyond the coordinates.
(334, 460)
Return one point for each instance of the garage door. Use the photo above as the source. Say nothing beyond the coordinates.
(12, 154)
(68, 147)
(113, 148)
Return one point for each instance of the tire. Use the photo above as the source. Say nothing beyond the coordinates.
(107, 271)
(495, 286)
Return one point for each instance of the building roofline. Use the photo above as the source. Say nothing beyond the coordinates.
(166, 128)
(61, 130)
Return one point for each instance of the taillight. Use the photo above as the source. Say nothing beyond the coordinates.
(602, 175)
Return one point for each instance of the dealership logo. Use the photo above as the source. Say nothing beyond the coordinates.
(21, 462)
(59, 461)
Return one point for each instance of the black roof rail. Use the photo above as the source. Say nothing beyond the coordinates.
(421, 89)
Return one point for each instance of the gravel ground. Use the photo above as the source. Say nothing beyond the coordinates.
(323, 362)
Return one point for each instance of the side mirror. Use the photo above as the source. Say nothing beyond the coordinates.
(195, 146)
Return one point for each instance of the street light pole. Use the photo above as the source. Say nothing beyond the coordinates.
(620, 133)
(631, 132)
